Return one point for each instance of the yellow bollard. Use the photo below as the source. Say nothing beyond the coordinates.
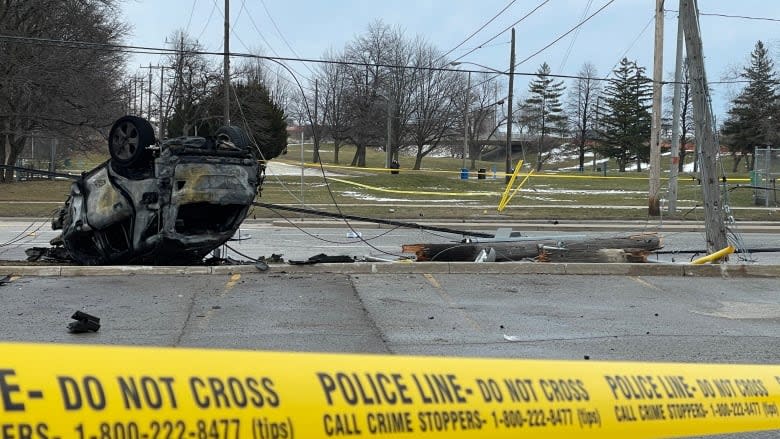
(714, 256)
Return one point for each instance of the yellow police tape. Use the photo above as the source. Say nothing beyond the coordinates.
(403, 191)
(68, 391)
(501, 174)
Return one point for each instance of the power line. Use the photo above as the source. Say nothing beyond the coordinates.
(477, 31)
(166, 51)
(577, 26)
(500, 33)
(189, 20)
(281, 35)
(208, 21)
(741, 17)
(233, 31)
(574, 39)
(582, 22)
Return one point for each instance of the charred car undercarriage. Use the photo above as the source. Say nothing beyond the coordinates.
(167, 202)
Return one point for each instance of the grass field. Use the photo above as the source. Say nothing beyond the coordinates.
(437, 191)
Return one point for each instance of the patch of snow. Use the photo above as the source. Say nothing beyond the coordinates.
(582, 191)
(546, 199)
(588, 163)
(365, 197)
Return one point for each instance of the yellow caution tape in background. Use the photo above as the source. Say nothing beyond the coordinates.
(69, 391)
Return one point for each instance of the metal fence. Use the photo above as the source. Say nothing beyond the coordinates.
(764, 176)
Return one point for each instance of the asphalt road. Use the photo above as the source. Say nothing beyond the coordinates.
(301, 239)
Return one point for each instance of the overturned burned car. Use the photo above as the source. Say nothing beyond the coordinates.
(159, 202)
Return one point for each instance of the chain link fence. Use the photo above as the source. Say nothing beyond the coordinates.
(764, 176)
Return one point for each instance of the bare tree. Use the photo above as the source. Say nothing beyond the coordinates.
(366, 103)
(483, 119)
(71, 90)
(434, 113)
(582, 108)
(334, 87)
(195, 78)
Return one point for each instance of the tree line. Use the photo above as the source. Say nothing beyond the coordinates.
(384, 89)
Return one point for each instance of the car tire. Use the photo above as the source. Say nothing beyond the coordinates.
(235, 135)
(128, 141)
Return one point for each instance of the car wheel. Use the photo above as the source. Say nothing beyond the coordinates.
(128, 140)
(234, 135)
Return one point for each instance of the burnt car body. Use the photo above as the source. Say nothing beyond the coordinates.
(159, 202)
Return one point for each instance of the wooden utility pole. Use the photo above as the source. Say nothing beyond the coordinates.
(226, 62)
(466, 120)
(653, 208)
(508, 170)
(673, 170)
(316, 154)
(705, 134)
(161, 115)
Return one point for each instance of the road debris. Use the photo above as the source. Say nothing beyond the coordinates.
(84, 323)
(325, 259)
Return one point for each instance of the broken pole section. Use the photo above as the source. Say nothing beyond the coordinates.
(705, 135)
(632, 248)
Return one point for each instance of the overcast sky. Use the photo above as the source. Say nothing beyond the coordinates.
(623, 28)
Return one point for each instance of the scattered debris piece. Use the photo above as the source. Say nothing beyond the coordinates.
(261, 266)
(5, 279)
(587, 357)
(84, 323)
(513, 338)
(354, 234)
(48, 254)
(488, 255)
(325, 259)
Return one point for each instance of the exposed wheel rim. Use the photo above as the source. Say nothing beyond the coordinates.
(125, 141)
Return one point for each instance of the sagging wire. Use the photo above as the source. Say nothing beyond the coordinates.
(241, 254)
(327, 184)
(256, 145)
(22, 236)
(322, 168)
(319, 238)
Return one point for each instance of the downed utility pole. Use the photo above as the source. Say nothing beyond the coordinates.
(705, 134)
(632, 248)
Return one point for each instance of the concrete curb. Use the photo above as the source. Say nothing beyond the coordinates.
(526, 268)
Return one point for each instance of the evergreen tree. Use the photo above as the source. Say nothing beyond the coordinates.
(626, 124)
(542, 111)
(254, 111)
(752, 119)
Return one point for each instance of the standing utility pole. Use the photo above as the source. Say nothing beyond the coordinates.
(466, 119)
(315, 133)
(508, 173)
(389, 144)
(226, 67)
(673, 170)
(705, 133)
(653, 208)
(140, 80)
(149, 111)
(161, 113)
